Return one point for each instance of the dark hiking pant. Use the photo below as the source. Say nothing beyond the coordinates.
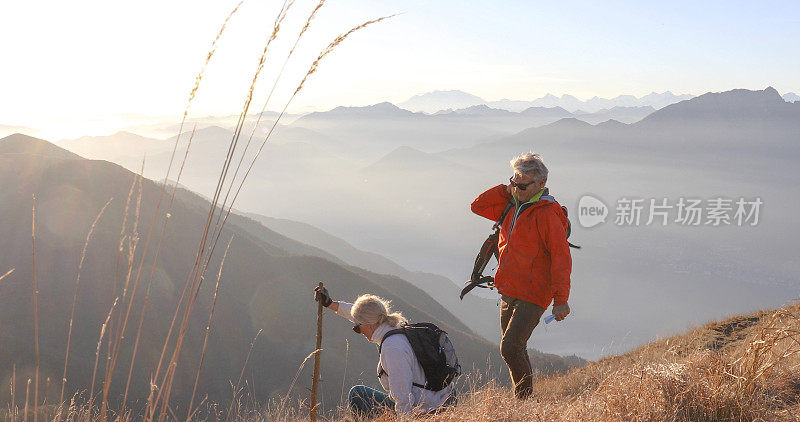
(366, 402)
(517, 321)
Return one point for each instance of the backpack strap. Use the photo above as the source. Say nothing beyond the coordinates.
(569, 228)
(382, 371)
(389, 333)
(503, 215)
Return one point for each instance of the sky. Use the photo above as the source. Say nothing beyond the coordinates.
(89, 67)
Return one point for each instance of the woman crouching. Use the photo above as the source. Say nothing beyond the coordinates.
(399, 370)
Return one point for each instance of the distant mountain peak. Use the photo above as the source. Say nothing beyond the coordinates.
(431, 102)
(724, 106)
(121, 134)
(482, 109)
(207, 132)
(768, 94)
(612, 123)
(791, 97)
(405, 158)
(446, 92)
(551, 111)
(770, 91)
(383, 108)
(19, 143)
(568, 123)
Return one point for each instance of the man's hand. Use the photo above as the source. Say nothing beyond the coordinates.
(561, 311)
(322, 296)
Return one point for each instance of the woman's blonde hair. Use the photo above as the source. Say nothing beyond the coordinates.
(371, 309)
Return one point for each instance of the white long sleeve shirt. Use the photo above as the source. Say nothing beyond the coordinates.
(401, 370)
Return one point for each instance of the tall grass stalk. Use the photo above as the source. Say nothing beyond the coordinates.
(133, 242)
(97, 352)
(208, 330)
(114, 327)
(344, 374)
(192, 94)
(275, 83)
(217, 226)
(314, 66)
(14, 392)
(120, 248)
(35, 311)
(266, 102)
(241, 375)
(6, 274)
(153, 271)
(153, 382)
(75, 296)
(195, 278)
(44, 401)
(27, 394)
(294, 381)
(287, 4)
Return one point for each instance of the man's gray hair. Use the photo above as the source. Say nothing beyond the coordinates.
(530, 164)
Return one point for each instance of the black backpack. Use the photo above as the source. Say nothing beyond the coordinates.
(433, 350)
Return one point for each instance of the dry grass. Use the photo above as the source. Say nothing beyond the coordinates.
(746, 368)
(709, 374)
(75, 295)
(114, 327)
(6, 274)
(208, 330)
(35, 315)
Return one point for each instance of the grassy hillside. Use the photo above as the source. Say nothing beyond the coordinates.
(744, 368)
(267, 285)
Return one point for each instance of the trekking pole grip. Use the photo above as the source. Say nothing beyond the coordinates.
(317, 353)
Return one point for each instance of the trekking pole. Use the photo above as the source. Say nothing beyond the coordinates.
(315, 382)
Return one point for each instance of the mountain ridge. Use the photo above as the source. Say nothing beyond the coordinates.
(435, 101)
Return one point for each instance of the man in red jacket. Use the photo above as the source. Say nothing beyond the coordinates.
(534, 264)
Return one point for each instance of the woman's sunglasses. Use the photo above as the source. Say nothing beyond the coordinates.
(357, 328)
(520, 186)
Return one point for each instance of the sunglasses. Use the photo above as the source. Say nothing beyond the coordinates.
(520, 186)
(357, 328)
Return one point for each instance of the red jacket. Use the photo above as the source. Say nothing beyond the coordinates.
(535, 262)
